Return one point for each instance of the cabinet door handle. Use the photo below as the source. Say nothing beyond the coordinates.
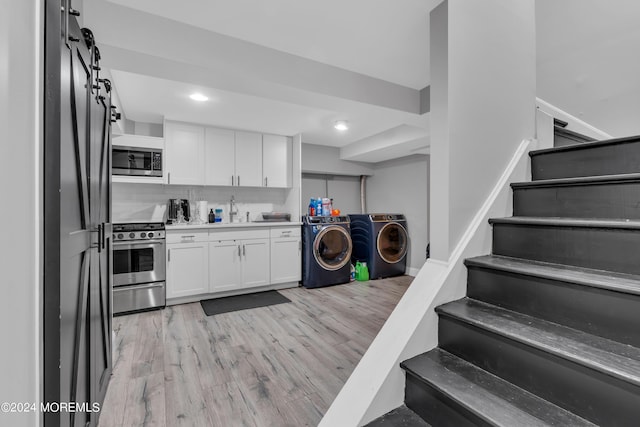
(233, 180)
(238, 180)
(169, 178)
(265, 182)
(238, 251)
(169, 255)
(299, 245)
(244, 252)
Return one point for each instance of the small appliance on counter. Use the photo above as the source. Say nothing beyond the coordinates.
(139, 267)
(178, 211)
(274, 217)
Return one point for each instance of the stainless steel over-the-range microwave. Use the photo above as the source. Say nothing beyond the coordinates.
(136, 161)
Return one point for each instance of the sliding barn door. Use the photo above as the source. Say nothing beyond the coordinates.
(100, 194)
(77, 288)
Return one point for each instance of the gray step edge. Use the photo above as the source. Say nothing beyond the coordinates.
(583, 180)
(602, 279)
(568, 222)
(586, 145)
(617, 350)
(480, 411)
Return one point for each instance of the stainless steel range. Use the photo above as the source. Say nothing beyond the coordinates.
(139, 266)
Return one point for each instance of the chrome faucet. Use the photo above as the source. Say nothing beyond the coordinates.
(233, 209)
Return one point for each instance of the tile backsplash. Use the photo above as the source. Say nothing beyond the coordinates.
(142, 201)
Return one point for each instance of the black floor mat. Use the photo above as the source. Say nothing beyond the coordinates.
(242, 302)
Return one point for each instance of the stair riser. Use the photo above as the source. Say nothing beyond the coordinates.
(600, 160)
(613, 200)
(599, 248)
(601, 312)
(561, 141)
(436, 408)
(599, 398)
(560, 138)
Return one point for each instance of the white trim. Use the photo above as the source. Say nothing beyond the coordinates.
(412, 271)
(376, 386)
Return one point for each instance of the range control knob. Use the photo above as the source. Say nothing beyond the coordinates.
(143, 235)
(120, 236)
(150, 235)
(132, 235)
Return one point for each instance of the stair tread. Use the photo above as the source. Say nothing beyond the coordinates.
(628, 224)
(489, 397)
(581, 180)
(585, 145)
(619, 282)
(609, 357)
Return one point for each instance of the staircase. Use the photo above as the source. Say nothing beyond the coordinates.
(549, 333)
(563, 136)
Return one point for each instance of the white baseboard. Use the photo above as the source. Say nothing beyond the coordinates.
(411, 271)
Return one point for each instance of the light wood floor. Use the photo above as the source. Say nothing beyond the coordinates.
(273, 366)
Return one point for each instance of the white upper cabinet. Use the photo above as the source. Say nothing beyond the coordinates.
(184, 151)
(276, 161)
(199, 155)
(248, 159)
(220, 157)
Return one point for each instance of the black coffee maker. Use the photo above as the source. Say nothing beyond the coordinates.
(178, 211)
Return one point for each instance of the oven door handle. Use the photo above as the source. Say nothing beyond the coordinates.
(141, 244)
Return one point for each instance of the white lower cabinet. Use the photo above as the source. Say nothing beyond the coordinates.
(202, 262)
(238, 259)
(255, 262)
(286, 248)
(187, 269)
(225, 270)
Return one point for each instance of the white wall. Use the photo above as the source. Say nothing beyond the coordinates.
(483, 92)
(344, 190)
(137, 201)
(326, 160)
(401, 186)
(20, 165)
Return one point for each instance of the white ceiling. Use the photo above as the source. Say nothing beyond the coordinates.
(150, 99)
(291, 66)
(386, 39)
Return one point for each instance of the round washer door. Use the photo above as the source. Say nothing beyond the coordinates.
(332, 247)
(392, 242)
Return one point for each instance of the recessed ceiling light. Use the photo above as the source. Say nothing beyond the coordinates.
(198, 97)
(341, 125)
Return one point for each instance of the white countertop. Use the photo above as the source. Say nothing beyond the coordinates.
(220, 225)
